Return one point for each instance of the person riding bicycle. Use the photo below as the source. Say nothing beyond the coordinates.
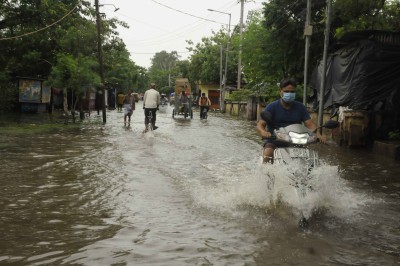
(285, 111)
(204, 103)
(151, 101)
(184, 99)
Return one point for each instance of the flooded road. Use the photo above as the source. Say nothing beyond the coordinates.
(190, 193)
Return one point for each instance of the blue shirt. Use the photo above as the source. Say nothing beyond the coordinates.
(281, 117)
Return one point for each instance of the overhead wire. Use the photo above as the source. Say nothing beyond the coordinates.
(184, 30)
(183, 12)
(41, 29)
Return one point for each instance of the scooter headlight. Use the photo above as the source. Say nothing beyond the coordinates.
(299, 138)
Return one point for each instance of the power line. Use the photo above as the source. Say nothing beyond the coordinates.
(36, 31)
(186, 13)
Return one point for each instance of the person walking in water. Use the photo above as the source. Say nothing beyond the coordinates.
(120, 101)
(151, 101)
(129, 107)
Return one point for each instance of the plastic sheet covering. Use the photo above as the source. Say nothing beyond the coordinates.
(364, 75)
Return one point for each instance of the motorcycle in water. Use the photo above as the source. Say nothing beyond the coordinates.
(295, 155)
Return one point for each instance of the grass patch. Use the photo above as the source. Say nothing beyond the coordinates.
(18, 124)
(16, 129)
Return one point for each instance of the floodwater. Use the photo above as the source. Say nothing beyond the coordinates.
(192, 192)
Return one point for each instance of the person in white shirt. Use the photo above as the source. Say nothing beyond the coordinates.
(151, 101)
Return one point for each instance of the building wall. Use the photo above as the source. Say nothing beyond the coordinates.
(212, 92)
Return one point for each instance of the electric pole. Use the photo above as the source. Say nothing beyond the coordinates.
(100, 55)
(240, 46)
(307, 34)
(324, 59)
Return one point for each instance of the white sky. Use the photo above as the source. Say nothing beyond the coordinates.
(157, 25)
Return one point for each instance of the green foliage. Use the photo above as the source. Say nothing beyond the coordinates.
(164, 69)
(8, 96)
(365, 15)
(66, 53)
(205, 62)
(394, 135)
(272, 46)
(77, 73)
(242, 95)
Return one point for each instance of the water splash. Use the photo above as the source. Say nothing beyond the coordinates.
(269, 186)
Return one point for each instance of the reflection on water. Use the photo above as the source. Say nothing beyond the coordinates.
(192, 192)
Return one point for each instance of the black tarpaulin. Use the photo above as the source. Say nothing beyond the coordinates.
(363, 75)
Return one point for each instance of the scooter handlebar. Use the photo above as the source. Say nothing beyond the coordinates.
(273, 137)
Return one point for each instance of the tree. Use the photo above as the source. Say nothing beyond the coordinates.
(206, 59)
(41, 49)
(163, 68)
(365, 15)
(258, 57)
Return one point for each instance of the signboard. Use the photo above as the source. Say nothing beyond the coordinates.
(30, 90)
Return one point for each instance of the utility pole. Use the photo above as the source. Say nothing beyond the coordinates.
(220, 75)
(307, 34)
(100, 55)
(240, 46)
(323, 73)
(226, 63)
(226, 57)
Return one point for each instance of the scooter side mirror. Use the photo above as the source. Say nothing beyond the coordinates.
(266, 116)
(331, 124)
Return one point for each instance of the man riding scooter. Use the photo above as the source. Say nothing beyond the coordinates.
(285, 111)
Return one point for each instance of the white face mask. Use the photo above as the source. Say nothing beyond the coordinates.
(288, 97)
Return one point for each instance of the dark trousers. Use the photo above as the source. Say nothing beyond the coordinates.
(202, 109)
(147, 112)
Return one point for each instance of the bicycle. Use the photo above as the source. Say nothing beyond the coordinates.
(149, 122)
(204, 113)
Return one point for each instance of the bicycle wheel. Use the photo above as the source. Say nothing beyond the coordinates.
(185, 113)
(150, 120)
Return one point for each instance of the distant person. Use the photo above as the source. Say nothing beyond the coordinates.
(120, 101)
(151, 101)
(129, 106)
(204, 103)
(98, 105)
(163, 99)
(184, 99)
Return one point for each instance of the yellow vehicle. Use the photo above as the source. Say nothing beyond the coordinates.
(182, 98)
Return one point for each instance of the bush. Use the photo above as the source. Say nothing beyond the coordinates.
(8, 96)
(394, 135)
(241, 95)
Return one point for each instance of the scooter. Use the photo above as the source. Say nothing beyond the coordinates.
(295, 155)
